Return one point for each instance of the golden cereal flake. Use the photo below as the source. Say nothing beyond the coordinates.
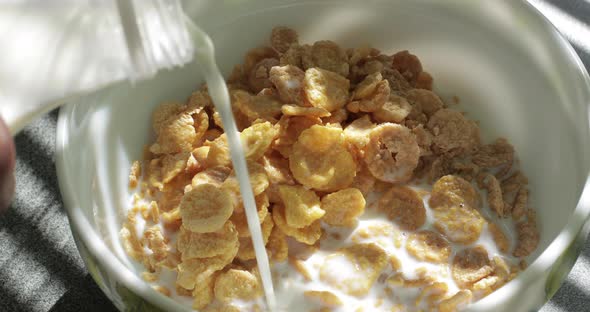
(325, 89)
(453, 133)
(326, 55)
(392, 153)
(376, 100)
(237, 285)
(177, 134)
(281, 38)
(432, 293)
(408, 65)
(199, 99)
(454, 202)
(495, 199)
(324, 297)
(320, 160)
(214, 175)
(294, 55)
(300, 267)
(470, 265)
(203, 293)
(288, 80)
(289, 130)
(367, 87)
(162, 113)
(196, 270)
(456, 302)
(453, 190)
(307, 235)
(201, 124)
(528, 236)
(258, 78)
(173, 165)
(277, 246)
(499, 237)
(354, 269)
(258, 180)
(460, 223)
(239, 215)
(404, 206)
(428, 246)
(397, 83)
(246, 250)
(262, 106)
(219, 154)
(357, 132)
(337, 117)
(205, 208)
(343, 207)
(256, 55)
(428, 101)
(205, 245)
(381, 233)
(395, 109)
(499, 153)
(135, 174)
(257, 139)
(424, 139)
(131, 242)
(154, 240)
(295, 110)
(302, 206)
(364, 181)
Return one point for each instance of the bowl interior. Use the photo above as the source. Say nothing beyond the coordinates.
(509, 72)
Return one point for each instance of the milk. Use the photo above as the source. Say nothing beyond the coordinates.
(220, 96)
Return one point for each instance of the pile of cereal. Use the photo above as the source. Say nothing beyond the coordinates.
(372, 193)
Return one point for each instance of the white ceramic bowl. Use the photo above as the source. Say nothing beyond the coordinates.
(511, 69)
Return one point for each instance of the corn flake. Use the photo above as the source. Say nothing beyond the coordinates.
(295, 110)
(281, 38)
(289, 83)
(470, 265)
(404, 206)
(354, 269)
(325, 298)
(277, 246)
(456, 302)
(325, 89)
(395, 109)
(246, 250)
(237, 285)
(453, 133)
(319, 159)
(343, 207)
(307, 235)
(428, 246)
(392, 153)
(204, 245)
(205, 208)
(428, 101)
(326, 55)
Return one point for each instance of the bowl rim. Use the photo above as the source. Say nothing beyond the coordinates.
(98, 249)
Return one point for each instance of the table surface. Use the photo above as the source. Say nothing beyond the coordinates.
(41, 270)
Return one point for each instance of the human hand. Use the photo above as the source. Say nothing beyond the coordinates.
(7, 162)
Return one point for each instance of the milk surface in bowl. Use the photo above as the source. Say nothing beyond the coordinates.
(518, 81)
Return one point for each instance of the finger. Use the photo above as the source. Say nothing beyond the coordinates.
(7, 163)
